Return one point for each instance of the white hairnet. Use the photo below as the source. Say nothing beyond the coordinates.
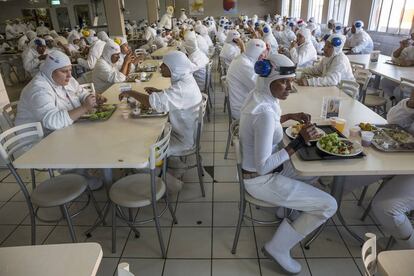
(334, 40)
(201, 29)
(53, 34)
(30, 35)
(338, 27)
(54, 60)
(254, 48)
(267, 30)
(38, 42)
(311, 20)
(189, 35)
(306, 33)
(331, 21)
(232, 35)
(178, 63)
(110, 49)
(312, 26)
(102, 35)
(73, 36)
(190, 46)
(359, 25)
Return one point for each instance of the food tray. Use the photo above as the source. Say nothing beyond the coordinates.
(138, 76)
(149, 114)
(393, 138)
(312, 153)
(147, 68)
(109, 109)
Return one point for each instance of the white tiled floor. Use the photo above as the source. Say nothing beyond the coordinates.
(201, 241)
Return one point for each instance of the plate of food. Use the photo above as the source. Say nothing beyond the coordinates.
(393, 138)
(334, 145)
(293, 131)
(101, 113)
(147, 113)
(147, 68)
(143, 76)
(367, 127)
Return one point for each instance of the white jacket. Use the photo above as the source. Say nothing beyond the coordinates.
(303, 55)
(330, 71)
(271, 40)
(105, 74)
(10, 32)
(360, 42)
(202, 44)
(42, 101)
(317, 45)
(406, 55)
(241, 79)
(229, 52)
(287, 37)
(402, 115)
(31, 62)
(182, 101)
(199, 61)
(94, 54)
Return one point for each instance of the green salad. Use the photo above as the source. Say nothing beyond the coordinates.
(331, 143)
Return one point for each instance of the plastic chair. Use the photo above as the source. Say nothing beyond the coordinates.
(207, 87)
(362, 77)
(230, 117)
(357, 65)
(9, 113)
(197, 147)
(351, 88)
(90, 87)
(55, 192)
(369, 254)
(141, 190)
(245, 197)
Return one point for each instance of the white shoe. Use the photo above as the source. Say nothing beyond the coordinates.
(278, 248)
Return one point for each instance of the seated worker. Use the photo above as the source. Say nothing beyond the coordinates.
(333, 68)
(360, 41)
(34, 56)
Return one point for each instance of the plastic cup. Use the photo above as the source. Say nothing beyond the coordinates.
(332, 121)
(366, 138)
(354, 131)
(125, 113)
(374, 56)
(340, 124)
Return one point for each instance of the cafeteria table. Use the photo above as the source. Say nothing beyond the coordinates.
(395, 262)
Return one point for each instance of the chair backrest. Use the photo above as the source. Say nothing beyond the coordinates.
(200, 122)
(17, 138)
(362, 76)
(90, 87)
(86, 78)
(351, 88)
(140, 52)
(225, 86)
(356, 65)
(208, 77)
(9, 113)
(159, 150)
(223, 68)
(123, 270)
(369, 254)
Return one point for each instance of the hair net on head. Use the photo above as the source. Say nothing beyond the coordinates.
(102, 35)
(30, 35)
(110, 49)
(92, 33)
(53, 34)
(331, 21)
(39, 42)
(73, 36)
(190, 35)
(178, 63)
(201, 29)
(254, 48)
(311, 20)
(311, 27)
(338, 28)
(267, 30)
(337, 41)
(232, 35)
(190, 46)
(54, 60)
(306, 33)
(359, 25)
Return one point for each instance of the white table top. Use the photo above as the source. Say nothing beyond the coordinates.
(51, 260)
(115, 143)
(163, 51)
(396, 262)
(389, 71)
(309, 100)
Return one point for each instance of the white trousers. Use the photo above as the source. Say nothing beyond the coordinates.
(288, 189)
(392, 88)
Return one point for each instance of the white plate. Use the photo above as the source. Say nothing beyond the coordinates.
(356, 149)
(288, 132)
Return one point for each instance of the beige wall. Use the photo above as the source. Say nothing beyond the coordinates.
(215, 7)
(360, 9)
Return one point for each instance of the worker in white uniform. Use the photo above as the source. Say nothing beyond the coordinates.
(166, 19)
(241, 77)
(203, 31)
(202, 44)
(159, 40)
(328, 30)
(42, 30)
(233, 47)
(53, 97)
(288, 36)
(19, 27)
(301, 51)
(95, 52)
(183, 16)
(25, 39)
(106, 71)
(267, 171)
(270, 39)
(73, 43)
(10, 30)
(333, 68)
(102, 35)
(312, 20)
(126, 50)
(220, 35)
(316, 44)
(181, 100)
(34, 56)
(199, 61)
(360, 41)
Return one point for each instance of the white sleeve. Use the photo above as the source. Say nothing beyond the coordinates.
(332, 76)
(402, 115)
(361, 44)
(264, 127)
(30, 62)
(315, 70)
(159, 101)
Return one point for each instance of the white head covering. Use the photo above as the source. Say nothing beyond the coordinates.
(110, 49)
(337, 41)
(254, 48)
(53, 34)
(312, 26)
(261, 98)
(306, 34)
(121, 40)
(311, 20)
(102, 35)
(54, 60)
(267, 30)
(73, 36)
(331, 21)
(190, 46)
(201, 29)
(38, 42)
(30, 35)
(190, 35)
(359, 25)
(232, 35)
(338, 28)
(178, 63)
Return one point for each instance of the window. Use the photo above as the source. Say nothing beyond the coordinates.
(339, 10)
(295, 11)
(315, 8)
(285, 7)
(392, 16)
